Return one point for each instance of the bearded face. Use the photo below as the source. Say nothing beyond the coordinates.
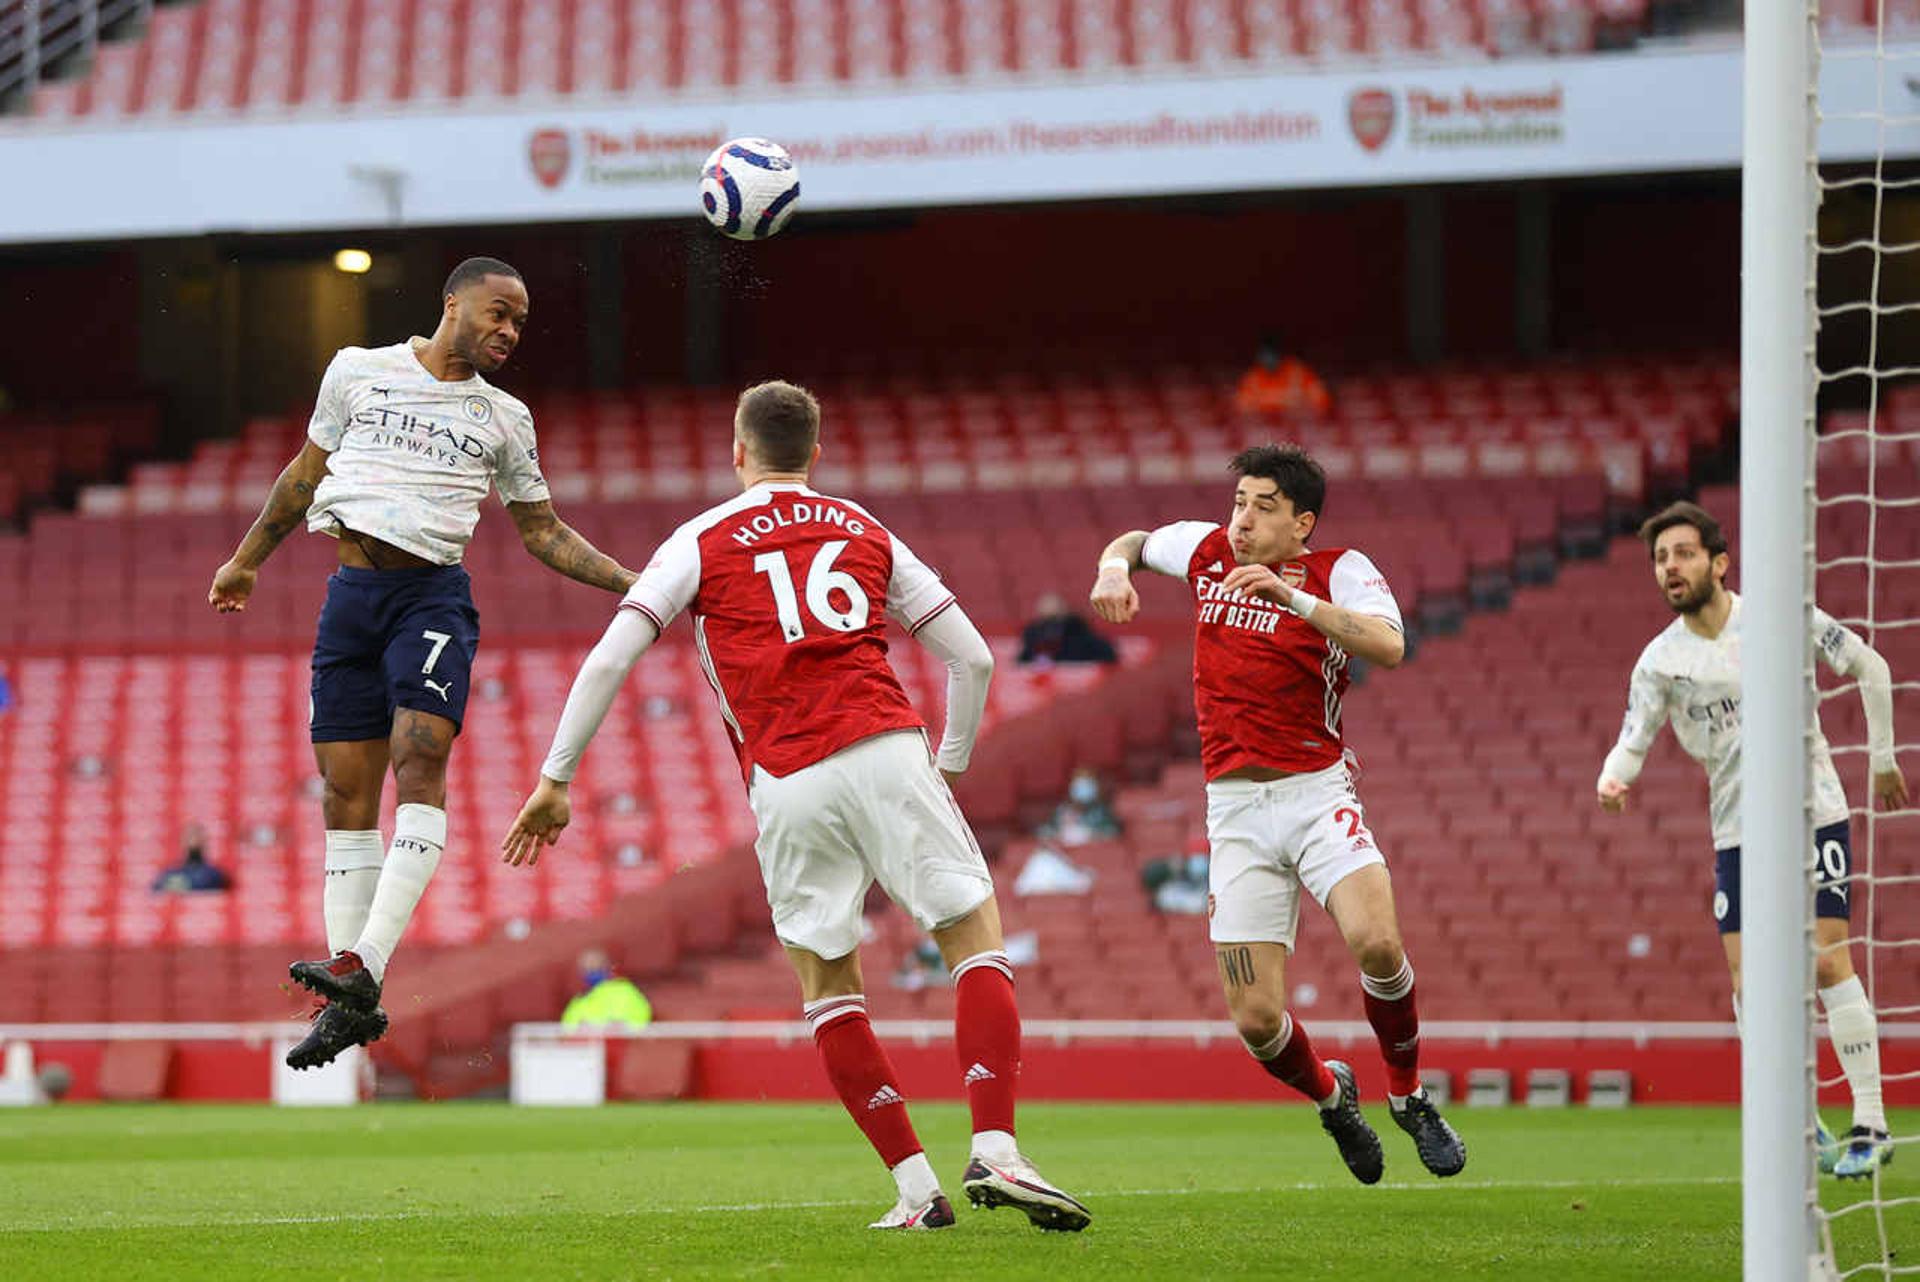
(1687, 574)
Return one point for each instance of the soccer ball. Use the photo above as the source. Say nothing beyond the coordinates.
(749, 187)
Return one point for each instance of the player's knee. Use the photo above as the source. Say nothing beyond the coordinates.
(346, 803)
(1832, 967)
(420, 748)
(1260, 1029)
(1257, 1020)
(1379, 952)
(421, 779)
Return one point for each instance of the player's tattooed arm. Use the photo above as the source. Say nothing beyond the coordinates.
(1236, 966)
(1364, 636)
(286, 508)
(554, 543)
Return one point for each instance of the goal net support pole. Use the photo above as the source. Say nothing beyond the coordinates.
(1779, 1239)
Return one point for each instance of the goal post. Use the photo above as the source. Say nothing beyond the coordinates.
(1778, 203)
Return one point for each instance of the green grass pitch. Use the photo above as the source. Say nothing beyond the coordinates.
(485, 1191)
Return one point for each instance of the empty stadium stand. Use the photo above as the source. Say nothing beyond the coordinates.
(140, 710)
(1635, 422)
(1520, 899)
(109, 757)
(44, 457)
(272, 56)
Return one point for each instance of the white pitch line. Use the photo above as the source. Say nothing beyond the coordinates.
(738, 1208)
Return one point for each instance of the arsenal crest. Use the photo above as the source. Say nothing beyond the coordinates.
(1370, 114)
(1293, 574)
(549, 152)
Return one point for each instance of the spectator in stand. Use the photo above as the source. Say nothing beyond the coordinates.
(606, 999)
(1178, 883)
(1058, 635)
(193, 872)
(921, 968)
(1048, 872)
(1277, 384)
(1084, 816)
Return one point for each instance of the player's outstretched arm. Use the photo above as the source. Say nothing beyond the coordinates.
(953, 639)
(1868, 666)
(287, 504)
(554, 543)
(1364, 636)
(548, 809)
(1646, 709)
(1113, 597)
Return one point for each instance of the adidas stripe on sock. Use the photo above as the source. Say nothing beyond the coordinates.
(862, 1076)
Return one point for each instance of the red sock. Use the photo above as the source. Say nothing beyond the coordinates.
(1296, 1064)
(1396, 1022)
(862, 1077)
(986, 1033)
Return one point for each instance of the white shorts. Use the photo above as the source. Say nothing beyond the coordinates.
(1270, 839)
(875, 811)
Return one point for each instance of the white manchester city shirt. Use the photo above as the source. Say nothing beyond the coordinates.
(412, 457)
(1694, 685)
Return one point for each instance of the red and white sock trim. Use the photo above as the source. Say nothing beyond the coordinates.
(1279, 1043)
(1394, 987)
(994, 958)
(825, 1010)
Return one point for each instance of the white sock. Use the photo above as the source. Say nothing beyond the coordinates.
(419, 835)
(994, 1146)
(915, 1179)
(353, 870)
(1856, 1043)
(1398, 1103)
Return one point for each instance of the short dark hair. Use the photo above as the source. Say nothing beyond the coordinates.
(780, 423)
(474, 270)
(1684, 513)
(1291, 468)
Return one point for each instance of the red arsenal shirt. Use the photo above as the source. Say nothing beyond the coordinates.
(790, 592)
(1266, 684)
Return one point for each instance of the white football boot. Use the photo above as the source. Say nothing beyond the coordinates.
(934, 1213)
(1015, 1183)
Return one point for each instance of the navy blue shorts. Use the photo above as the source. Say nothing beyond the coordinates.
(392, 639)
(1832, 865)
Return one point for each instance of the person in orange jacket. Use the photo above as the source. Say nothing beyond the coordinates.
(1277, 384)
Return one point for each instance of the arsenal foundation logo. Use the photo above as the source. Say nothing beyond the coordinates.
(549, 152)
(1370, 114)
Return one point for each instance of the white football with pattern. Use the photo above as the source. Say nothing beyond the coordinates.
(749, 188)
